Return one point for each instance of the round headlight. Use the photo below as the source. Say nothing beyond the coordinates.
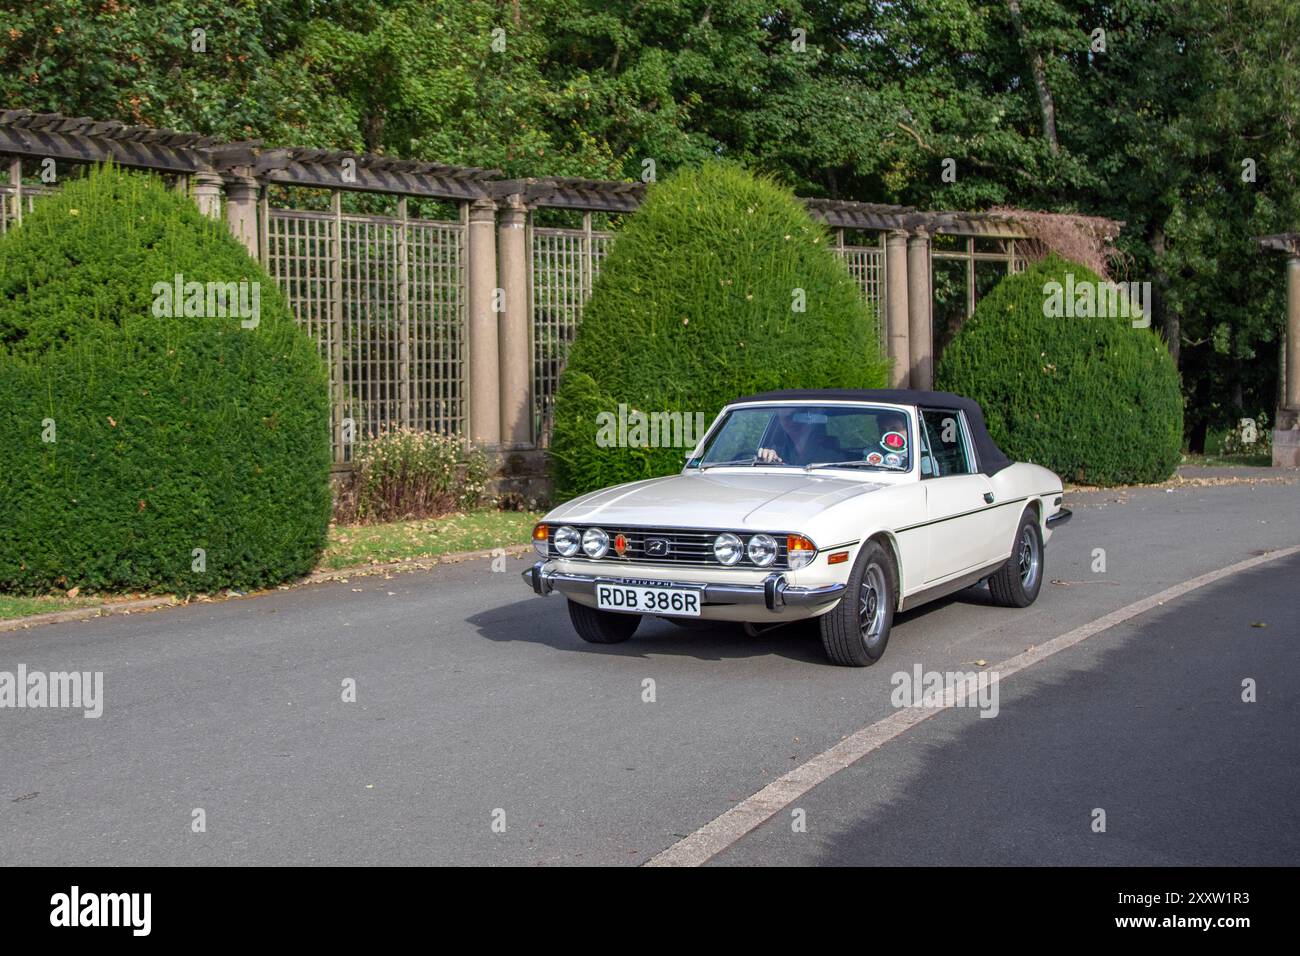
(727, 548)
(567, 541)
(594, 543)
(762, 549)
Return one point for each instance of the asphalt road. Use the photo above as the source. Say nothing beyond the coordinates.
(473, 697)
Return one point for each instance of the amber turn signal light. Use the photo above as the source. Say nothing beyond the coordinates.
(799, 551)
(839, 557)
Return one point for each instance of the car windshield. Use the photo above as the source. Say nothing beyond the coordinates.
(811, 436)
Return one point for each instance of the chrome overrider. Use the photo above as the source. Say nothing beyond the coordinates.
(775, 592)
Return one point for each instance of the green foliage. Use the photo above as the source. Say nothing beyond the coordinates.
(1093, 399)
(132, 439)
(1157, 104)
(139, 63)
(406, 474)
(694, 307)
(411, 78)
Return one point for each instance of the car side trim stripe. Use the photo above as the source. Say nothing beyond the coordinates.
(963, 514)
(836, 547)
(973, 511)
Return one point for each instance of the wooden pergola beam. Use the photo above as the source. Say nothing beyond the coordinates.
(587, 195)
(1287, 243)
(81, 139)
(977, 225)
(325, 169)
(40, 143)
(843, 214)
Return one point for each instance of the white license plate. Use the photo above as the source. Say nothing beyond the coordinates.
(678, 602)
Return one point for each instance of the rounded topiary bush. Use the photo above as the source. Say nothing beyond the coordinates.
(720, 285)
(152, 444)
(1092, 398)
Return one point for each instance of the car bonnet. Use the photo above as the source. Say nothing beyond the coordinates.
(716, 499)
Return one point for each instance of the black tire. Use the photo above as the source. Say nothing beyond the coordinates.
(1017, 583)
(602, 627)
(849, 637)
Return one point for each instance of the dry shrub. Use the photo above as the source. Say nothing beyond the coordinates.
(404, 474)
(1084, 239)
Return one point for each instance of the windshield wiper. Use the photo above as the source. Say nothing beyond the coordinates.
(856, 463)
(747, 461)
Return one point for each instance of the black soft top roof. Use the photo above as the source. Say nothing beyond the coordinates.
(990, 456)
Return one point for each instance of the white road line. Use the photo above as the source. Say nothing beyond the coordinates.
(721, 832)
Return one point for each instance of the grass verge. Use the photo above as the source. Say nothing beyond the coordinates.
(27, 606)
(425, 538)
(1246, 461)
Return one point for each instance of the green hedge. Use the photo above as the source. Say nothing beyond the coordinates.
(170, 434)
(1093, 399)
(695, 306)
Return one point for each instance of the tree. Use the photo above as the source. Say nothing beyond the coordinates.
(720, 285)
(1140, 110)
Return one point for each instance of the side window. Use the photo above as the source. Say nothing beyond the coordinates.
(928, 468)
(946, 435)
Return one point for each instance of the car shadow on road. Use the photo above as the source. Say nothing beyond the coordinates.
(547, 622)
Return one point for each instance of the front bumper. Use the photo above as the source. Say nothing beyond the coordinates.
(774, 593)
(1061, 517)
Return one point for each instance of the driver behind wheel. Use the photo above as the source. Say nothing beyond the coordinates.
(799, 438)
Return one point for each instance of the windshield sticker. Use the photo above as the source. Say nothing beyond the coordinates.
(894, 441)
(893, 461)
(875, 458)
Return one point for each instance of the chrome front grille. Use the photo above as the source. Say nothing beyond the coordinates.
(686, 546)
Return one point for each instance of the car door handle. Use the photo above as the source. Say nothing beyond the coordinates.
(988, 497)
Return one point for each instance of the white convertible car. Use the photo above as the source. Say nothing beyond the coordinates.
(845, 506)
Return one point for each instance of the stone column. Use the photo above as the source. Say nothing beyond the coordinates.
(242, 193)
(15, 164)
(920, 307)
(1286, 434)
(1292, 384)
(207, 193)
(896, 308)
(514, 325)
(481, 269)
